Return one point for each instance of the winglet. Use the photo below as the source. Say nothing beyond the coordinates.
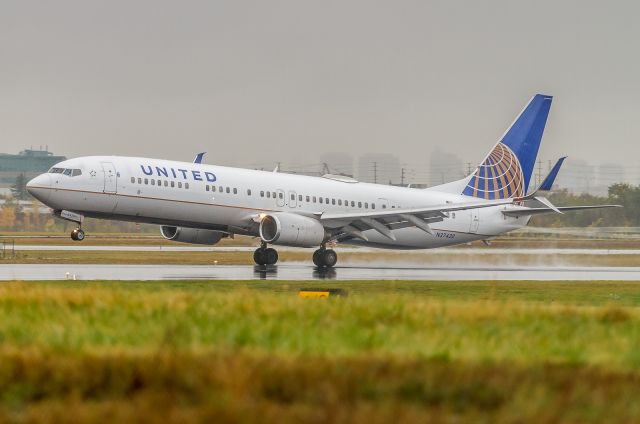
(547, 184)
(199, 157)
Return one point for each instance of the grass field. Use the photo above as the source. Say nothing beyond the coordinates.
(253, 351)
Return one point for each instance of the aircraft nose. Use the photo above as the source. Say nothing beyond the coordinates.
(40, 187)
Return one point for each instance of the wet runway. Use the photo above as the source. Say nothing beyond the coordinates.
(306, 272)
(440, 251)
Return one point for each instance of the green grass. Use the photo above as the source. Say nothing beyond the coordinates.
(253, 351)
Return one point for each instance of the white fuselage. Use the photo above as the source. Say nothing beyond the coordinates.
(231, 199)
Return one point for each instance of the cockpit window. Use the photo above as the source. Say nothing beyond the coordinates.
(68, 171)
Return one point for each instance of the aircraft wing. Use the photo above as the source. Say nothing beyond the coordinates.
(383, 221)
(540, 211)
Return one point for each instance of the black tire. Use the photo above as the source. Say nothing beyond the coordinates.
(259, 257)
(317, 258)
(329, 258)
(74, 235)
(271, 256)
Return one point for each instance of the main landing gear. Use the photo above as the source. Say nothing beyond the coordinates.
(77, 234)
(265, 255)
(325, 258)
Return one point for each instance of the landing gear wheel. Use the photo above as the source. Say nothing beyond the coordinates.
(330, 258)
(265, 256)
(259, 257)
(271, 256)
(77, 234)
(325, 258)
(317, 258)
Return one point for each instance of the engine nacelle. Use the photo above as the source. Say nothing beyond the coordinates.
(291, 230)
(191, 235)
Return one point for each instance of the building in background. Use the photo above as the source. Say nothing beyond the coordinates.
(380, 168)
(30, 162)
(445, 167)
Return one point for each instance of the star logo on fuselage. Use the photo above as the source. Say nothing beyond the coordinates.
(92, 173)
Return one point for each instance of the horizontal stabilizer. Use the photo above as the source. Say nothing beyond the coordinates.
(539, 211)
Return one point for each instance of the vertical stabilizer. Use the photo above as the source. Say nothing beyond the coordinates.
(507, 169)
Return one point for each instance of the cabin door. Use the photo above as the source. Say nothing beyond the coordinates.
(110, 177)
(475, 220)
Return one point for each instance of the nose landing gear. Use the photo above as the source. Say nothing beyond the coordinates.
(265, 255)
(77, 234)
(325, 258)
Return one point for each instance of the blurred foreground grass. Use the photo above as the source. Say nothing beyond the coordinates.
(253, 351)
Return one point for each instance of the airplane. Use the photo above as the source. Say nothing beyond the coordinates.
(196, 203)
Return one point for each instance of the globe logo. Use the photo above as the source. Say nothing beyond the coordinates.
(498, 177)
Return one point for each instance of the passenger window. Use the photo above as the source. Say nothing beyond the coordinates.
(133, 180)
(228, 190)
(153, 182)
(221, 189)
(173, 184)
(186, 185)
(159, 183)
(280, 196)
(139, 180)
(366, 205)
(308, 199)
(248, 192)
(300, 197)
(274, 194)
(326, 200)
(320, 199)
(262, 194)
(373, 206)
(314, 199)
(339, 202)
(207, 187)
(146, 181)
(359, 204)
(268, 195)
(179, 184)
(384, 206)
(166, 183)
(353, 204)
(333, 201)
(293, 196)
(235, 191)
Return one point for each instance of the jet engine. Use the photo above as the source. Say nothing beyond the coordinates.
(191, 235)
(291, 230)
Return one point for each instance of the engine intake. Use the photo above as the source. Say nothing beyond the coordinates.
(191, 235)
(291, 230)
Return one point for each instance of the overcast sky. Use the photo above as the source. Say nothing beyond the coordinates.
(255, 81)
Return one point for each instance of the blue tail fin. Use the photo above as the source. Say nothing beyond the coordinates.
(547, 184)
(507, 169)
